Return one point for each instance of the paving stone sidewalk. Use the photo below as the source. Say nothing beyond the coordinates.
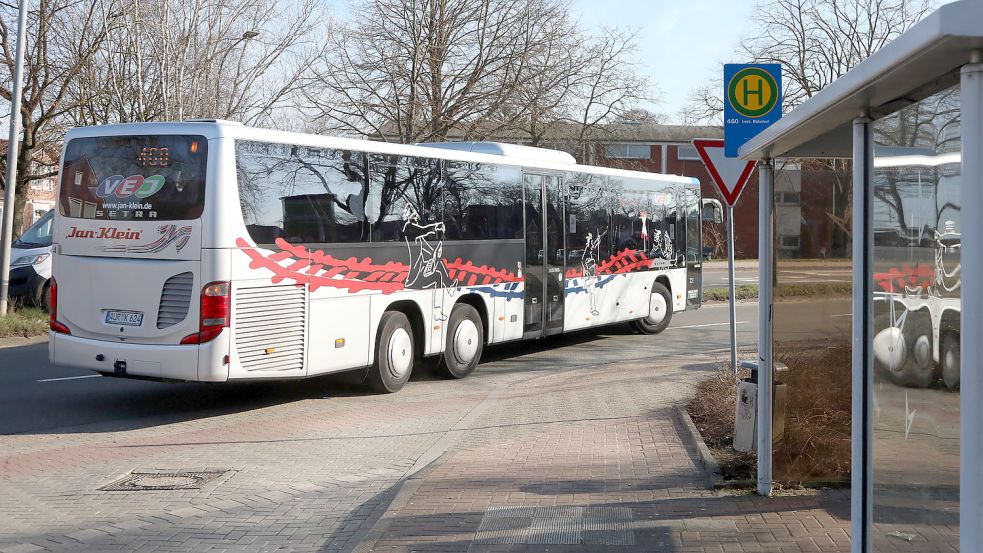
(547, 451)
(596, 463)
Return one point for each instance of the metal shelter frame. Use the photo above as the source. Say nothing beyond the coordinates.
(943, 50)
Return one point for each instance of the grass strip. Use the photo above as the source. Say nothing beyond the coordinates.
(24, 322)
(796, 290)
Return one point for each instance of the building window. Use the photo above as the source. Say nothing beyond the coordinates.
(627, 151)
(687, 153)
(787, 198)
(788, 241)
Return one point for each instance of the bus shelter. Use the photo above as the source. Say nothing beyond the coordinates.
(908, 122)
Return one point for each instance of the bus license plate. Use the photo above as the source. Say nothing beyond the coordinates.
(127, 318)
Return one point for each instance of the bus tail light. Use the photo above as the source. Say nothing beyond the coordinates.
(215, 312)
(53, 323)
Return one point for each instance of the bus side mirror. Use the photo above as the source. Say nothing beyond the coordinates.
(712, 211)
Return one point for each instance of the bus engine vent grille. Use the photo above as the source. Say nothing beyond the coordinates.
(175, 299)
(269, 327)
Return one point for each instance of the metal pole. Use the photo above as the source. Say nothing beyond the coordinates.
(10, 185)
(971, 347)
(730, 273)
(862, 359)
(766, 268)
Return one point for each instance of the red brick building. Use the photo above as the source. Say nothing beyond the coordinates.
(40, 193)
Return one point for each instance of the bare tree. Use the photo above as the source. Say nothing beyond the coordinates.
(174, 59)
(814, 42)
(62, 39)
(419, 70)
(578, 85)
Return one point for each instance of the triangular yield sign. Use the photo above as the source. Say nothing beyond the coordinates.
(730, 174)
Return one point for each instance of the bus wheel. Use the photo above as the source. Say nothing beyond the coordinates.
(46, 297)
(464, 342)
(660, 311)
(393, 354)
(950, 361)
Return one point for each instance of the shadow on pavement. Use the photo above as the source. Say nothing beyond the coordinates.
(113, 405)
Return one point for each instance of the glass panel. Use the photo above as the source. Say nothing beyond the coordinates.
(535, 254)
(627, 151)
(812, 335)
(403, 190)
(916, 326)
(38, 235)
(557, 252)
(138, 178)
(303, 195)
(482, 201)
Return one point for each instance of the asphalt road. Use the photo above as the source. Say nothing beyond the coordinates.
(38, 397)
(715, 274)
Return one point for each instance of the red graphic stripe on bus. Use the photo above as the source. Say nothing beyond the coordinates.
(625, 261)
(317, 269)
(492, 276)
(896, 279)
(352, 264)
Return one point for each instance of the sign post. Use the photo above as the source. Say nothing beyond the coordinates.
(730, 175)
(752, 102)
(6, 234)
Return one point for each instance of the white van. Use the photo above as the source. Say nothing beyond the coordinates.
(30, 264)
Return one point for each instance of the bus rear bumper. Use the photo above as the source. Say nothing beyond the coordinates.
(154, 361)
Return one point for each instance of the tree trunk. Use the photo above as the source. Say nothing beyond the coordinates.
(20, 191)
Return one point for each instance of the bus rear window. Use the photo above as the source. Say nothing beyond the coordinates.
(153, 177)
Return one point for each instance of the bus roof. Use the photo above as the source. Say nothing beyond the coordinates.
(213, 129)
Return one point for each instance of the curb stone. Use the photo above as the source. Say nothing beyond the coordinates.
(17, 341)
(710, 465)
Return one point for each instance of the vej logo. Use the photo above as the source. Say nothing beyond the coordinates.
(121, 187)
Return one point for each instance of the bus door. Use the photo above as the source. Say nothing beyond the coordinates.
(545, 255)
(694, 247)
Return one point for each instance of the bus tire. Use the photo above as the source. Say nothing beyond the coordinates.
(45, 297)
(394, 354)
(660, 311)
(950, 361)
(464, 341)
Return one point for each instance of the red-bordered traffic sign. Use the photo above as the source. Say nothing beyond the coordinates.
(730, 174)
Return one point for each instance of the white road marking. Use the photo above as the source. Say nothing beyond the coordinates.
(710, 324)
(843, 315)
(70, 378)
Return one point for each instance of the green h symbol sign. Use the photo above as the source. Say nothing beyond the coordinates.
(759, 92)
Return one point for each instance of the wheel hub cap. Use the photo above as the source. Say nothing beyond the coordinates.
(466, 341)
(400, 352)
(657, 309)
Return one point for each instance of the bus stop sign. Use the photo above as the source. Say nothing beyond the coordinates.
(730, 174)
(752, 101)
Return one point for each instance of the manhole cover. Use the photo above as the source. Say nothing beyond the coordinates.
(152, 481)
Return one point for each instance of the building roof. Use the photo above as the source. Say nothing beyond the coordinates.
(922, 61)
(605, 133)
(627, 132)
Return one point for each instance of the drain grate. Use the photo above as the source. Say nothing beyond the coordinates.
(559, 525)
(155, 481)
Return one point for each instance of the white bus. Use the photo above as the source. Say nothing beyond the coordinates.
(211, 251)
